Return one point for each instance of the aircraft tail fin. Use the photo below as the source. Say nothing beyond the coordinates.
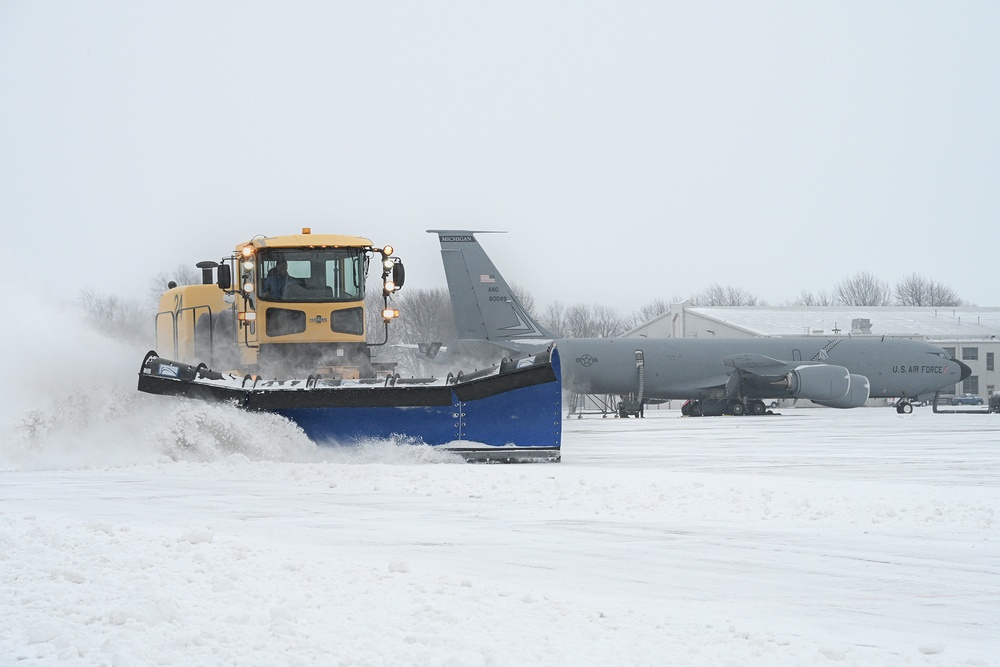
(483, 303)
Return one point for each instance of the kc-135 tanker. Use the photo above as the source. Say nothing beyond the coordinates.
(732, 376)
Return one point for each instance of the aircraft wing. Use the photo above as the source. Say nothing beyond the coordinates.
(764, 367)
(759, 364)
(823, 383)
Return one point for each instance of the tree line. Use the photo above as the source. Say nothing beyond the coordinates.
(426, 315)
(861, 289)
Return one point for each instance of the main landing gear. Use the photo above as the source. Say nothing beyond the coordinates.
(627, 408)
(733, 406)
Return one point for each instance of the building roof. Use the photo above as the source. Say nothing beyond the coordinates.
(935, 323)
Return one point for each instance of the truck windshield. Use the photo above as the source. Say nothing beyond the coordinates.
(326, 274)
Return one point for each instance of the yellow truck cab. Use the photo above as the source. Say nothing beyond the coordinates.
(282, 305)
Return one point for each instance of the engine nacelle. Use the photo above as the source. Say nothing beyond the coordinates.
(820, 383)
(856, 396)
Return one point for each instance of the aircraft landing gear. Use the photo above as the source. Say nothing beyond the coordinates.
(691, 409)
(732, 406)
(904, 407)
(631, 408)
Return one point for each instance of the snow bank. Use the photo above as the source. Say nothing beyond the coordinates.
(140, 530)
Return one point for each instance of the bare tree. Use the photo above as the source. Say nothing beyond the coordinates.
(182, 274)
(646, 313)
(915, 290)
(942, 295)
(584, 321)
(807, 298)
(577, 322)
(607, 323)
(425, 318)
(717, 295)
(862, 289)
(127, 320)
(554, 318)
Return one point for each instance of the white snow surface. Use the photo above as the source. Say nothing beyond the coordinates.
(144, 530)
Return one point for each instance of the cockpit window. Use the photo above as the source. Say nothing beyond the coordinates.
(322, 275)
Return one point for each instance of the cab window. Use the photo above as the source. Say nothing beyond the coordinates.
(321, 275)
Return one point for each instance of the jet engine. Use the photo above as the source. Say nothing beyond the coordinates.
(819, 383)
(856, 396)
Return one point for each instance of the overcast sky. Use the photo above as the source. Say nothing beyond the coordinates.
(632, 150)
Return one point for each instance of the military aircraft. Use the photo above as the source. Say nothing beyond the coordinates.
(715, 376)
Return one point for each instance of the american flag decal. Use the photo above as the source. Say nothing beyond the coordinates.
(487, 278)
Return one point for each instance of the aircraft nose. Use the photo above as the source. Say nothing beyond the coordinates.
(966, 371)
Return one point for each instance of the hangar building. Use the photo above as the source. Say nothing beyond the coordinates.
(970, 334)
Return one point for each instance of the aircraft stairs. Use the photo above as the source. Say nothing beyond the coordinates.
(591, 404)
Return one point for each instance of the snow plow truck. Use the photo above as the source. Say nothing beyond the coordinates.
(282, 325)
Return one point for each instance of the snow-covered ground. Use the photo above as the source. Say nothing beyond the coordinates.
(143, 530)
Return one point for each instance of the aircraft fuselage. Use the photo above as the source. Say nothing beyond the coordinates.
(839, 372)
(694, 368)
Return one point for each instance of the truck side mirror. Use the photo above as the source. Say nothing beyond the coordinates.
(398, 274)
(225, 277)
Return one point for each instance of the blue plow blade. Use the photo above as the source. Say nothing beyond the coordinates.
(485, 420)
(506, 413)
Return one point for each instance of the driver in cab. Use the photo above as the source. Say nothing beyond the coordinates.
(277, 279)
